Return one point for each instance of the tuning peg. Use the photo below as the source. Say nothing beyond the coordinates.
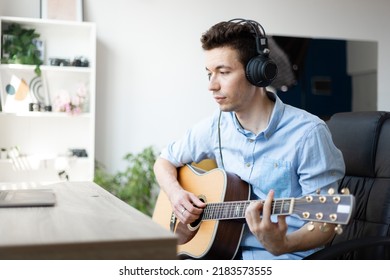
(338, 229)
(331, 191)
(345, 191)
(310, 226)
(324, 227)
(322, 199)
(319, 215)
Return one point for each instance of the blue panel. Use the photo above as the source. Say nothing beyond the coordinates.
(324, 87)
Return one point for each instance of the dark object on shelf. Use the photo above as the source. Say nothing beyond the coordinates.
(79, 152)
(59, 62)
(37, 107)
(63, 175)
(80, 62)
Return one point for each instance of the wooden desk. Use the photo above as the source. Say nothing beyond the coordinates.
(86, 223)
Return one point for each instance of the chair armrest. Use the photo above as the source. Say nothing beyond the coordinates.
(337, 250)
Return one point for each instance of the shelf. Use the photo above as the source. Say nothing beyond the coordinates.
(42, 158)
(44, 138)
(47, 23)
(24, 67)
(41, 168)
(46, 114)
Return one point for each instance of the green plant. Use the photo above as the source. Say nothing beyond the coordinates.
(136, 185)
(20, 47)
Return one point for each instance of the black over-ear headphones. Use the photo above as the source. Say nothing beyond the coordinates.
(260, 70)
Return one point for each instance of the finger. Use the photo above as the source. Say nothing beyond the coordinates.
(197, 202)
(180, 213)
(179, 210)
(183, 210)
(186, 217)
(188, 214)
(267, 209)
(194, 205)
(253, 212)
(282, 222)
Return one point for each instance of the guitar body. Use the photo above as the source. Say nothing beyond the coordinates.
(218, 232)
(205, 239)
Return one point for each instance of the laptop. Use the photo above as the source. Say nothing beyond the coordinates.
(27, 198)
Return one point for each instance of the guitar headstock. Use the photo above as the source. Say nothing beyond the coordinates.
(327, 209)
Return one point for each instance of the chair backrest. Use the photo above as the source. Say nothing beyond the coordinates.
(364, 139)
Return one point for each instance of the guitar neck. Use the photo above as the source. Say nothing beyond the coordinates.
(236, 209)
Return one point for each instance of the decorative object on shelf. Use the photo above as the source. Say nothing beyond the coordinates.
(54, 61)
(17, 88)
(78, 152)
(16, 98)
(42, 101)
(21, 46)
(63, 175)
(14, 152)
(3, 153)
(72, 104)
(62, 10)
(45, 137)
(80, 61)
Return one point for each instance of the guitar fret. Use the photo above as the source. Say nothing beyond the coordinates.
(282, 206)
(236, 209)
(273, 207)
(225, 210)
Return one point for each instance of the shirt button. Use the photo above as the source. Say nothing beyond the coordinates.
(251, 140)
(248, 164)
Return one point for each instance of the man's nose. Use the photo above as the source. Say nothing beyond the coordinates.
(214, 84)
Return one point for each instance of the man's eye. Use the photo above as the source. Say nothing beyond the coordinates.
(209, 76)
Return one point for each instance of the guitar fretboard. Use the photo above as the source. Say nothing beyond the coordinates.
(236, 209)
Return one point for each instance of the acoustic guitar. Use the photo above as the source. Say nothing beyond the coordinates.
(217, 233)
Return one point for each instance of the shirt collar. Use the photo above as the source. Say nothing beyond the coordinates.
(275, 118)
(276, 115)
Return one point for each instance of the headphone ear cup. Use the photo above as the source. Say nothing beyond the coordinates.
(261, 71)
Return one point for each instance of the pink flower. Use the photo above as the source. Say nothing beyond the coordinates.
(71, 104)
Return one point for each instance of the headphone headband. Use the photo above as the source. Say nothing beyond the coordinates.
(260, 70)
(260, 35)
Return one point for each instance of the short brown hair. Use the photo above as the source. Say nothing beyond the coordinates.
(238, 36)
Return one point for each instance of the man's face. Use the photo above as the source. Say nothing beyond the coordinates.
(230, 88)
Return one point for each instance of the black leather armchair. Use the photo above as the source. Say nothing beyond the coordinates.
(364, 139)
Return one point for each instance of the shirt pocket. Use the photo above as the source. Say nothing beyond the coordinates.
(276, 175)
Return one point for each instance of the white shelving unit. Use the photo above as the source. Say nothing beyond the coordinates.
(41, 146)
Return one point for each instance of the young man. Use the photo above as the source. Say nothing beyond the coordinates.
(281, 151)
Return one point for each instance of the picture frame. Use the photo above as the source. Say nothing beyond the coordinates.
(6, 40)
(71, 10)
(15, 94)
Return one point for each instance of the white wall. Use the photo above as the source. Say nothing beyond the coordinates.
(151, 83)
(362, 57)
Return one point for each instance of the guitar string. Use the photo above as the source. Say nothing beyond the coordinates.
(247, 202)
(237, 208)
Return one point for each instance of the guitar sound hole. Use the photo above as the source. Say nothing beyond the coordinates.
(185, 233)
(195, 224)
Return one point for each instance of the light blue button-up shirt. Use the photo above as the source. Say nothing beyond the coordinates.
(294, 156)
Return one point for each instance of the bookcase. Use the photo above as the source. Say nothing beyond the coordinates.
(47, 118)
